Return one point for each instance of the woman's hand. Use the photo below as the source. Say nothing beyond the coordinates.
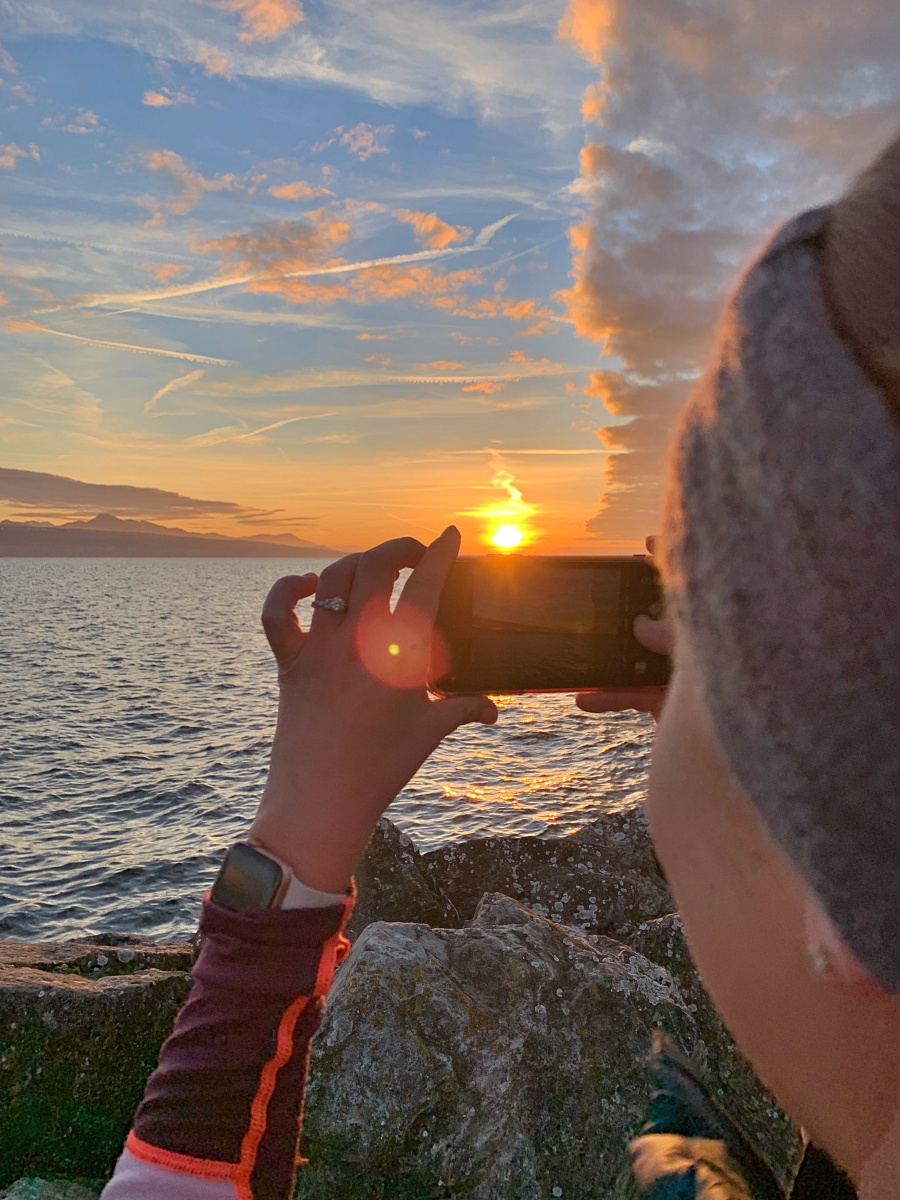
(658, 636)
(355, 721)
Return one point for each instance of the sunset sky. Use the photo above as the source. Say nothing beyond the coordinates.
(359, 269)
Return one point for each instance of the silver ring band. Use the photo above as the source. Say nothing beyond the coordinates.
(333, 604)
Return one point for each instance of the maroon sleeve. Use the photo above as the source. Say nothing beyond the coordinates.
(226, 1100)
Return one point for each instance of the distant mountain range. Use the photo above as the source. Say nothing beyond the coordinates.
(106, 536)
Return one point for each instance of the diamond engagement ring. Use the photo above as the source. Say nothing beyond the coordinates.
(333, 604)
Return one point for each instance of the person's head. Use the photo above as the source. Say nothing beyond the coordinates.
(774, 796)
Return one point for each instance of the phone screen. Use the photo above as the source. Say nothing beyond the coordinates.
(516, 623)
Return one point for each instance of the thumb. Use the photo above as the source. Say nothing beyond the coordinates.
(658, 636)
(450, 713)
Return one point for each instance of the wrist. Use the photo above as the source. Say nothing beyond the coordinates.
(307, 850)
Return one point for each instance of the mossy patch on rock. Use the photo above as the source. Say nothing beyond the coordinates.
(76, 1050)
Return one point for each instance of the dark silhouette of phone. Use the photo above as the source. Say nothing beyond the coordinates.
(525, 623)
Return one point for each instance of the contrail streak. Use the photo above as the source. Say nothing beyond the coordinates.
(134, 299)
(240, 437)
(32, 326)
(173, 385)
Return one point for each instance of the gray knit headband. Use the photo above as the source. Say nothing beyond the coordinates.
(781, 554)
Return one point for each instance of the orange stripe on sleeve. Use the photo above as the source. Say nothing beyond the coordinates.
(334, 951)
(284, 1048)
(184, 1164)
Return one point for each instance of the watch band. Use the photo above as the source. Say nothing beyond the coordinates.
(253, 879)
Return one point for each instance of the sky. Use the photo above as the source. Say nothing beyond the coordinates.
(358, 270)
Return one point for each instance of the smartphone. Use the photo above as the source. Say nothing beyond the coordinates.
(513, 623)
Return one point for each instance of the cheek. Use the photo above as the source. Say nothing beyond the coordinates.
(742, 911)
(724, 892)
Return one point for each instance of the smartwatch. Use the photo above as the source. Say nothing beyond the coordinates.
(250, 880)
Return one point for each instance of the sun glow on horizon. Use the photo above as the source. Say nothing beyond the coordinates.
(507, 537)
(507, 525)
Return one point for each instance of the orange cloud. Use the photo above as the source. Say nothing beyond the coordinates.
(372, 337)
(262, 20)
(445, 364)
(11, 152)
(439, 288)
(298, 191)
(193, 185)
(382, 359)
(431, 231)
(165, 98)
(529, 310)
(519, 356)
(163, 272)
(212, 62)
(487, 387)
(364, 140)
(588, 23)
(275, 248)
(84, 121)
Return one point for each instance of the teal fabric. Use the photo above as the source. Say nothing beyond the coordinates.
(690, 1149)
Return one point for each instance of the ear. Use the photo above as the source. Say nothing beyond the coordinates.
(830, 956)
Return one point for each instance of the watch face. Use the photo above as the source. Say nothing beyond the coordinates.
(248, 880)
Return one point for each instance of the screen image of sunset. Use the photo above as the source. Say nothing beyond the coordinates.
(348, 271)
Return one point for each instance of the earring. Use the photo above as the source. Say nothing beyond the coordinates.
(817, 960)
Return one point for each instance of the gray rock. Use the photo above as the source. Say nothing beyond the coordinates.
(106, 954)
(602, 879)
(394, 885)
(503, 1060)
(76, 1049)
(44, 1189)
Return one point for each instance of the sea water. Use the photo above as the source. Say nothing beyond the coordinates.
(137, 705)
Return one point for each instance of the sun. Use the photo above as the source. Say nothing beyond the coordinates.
(507, 537)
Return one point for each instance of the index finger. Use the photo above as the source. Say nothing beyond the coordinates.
(422, 591)
(377, 570)
(279, 619)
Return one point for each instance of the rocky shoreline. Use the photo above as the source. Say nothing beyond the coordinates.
(486, 1038)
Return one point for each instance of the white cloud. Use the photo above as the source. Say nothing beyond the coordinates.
(499, 60)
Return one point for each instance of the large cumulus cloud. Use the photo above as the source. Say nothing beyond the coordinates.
(710, 122)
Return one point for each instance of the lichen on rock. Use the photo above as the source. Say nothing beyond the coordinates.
(603, 879)
(46, 1189)
(505, 1059)
(393, 884)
